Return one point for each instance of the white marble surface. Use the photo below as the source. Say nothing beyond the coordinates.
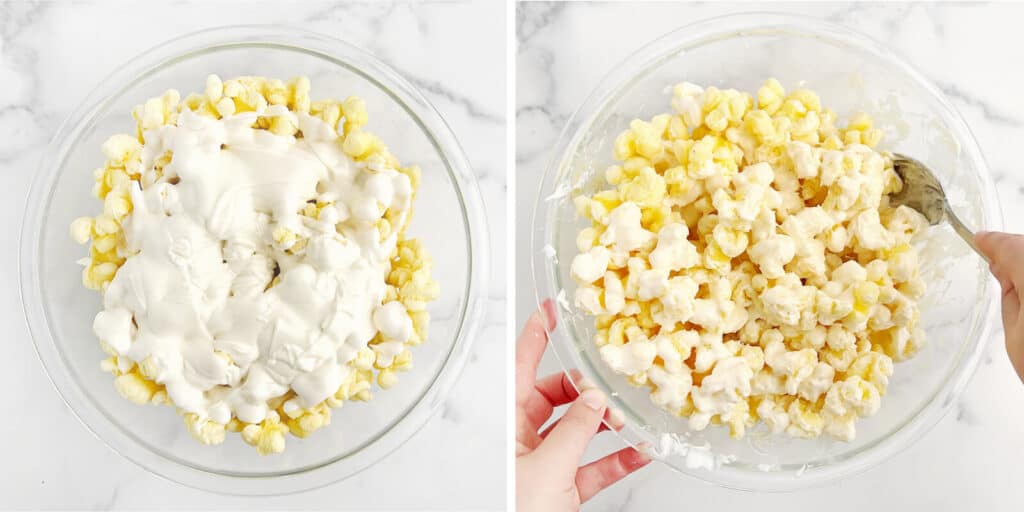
(52, 54)
(970, 460)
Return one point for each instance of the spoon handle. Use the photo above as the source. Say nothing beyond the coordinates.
(962, 230)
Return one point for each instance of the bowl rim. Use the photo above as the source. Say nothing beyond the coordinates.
(335, 51)
(610, 87)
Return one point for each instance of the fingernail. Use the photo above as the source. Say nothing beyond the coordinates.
(594, 399)
(616, 417)
(545, 316)
(537, 316)
(643, 450)
(585, 384)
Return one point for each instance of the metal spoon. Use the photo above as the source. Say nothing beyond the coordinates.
(923, 192)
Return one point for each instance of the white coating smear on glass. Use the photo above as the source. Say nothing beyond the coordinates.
(550, 253)
(694, 456)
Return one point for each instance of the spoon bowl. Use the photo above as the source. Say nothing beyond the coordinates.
(923, 192)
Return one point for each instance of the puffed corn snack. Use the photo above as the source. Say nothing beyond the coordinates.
(744, 264)
(252, 259)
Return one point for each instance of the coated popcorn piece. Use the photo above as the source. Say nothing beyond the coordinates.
(267, 437)
(631, 358)
(670, 390)
(727, 385)
(745, 265)
(783, 302)
(140, 177)
(302, 422)
(674, 251)
(677, 305)
(591, 265)
(204, 430)
(624, 232)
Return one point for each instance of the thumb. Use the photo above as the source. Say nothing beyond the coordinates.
(566, 443)
(1005, 251)
(989, 242)
(1012, 324)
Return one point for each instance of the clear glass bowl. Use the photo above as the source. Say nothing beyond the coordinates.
(449, 218)
(852, 73)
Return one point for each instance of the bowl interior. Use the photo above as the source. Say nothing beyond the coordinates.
(440, 220)
(849, 79)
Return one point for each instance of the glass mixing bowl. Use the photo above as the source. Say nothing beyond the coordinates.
(852, 73)
(449, 219)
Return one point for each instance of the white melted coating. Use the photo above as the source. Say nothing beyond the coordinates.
(191, 302)
(694, 456)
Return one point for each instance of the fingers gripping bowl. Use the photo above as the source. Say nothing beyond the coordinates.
(58, 309)
(852, 75)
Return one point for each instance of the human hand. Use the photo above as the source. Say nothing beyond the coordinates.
(548, 472)
(1006, 254)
